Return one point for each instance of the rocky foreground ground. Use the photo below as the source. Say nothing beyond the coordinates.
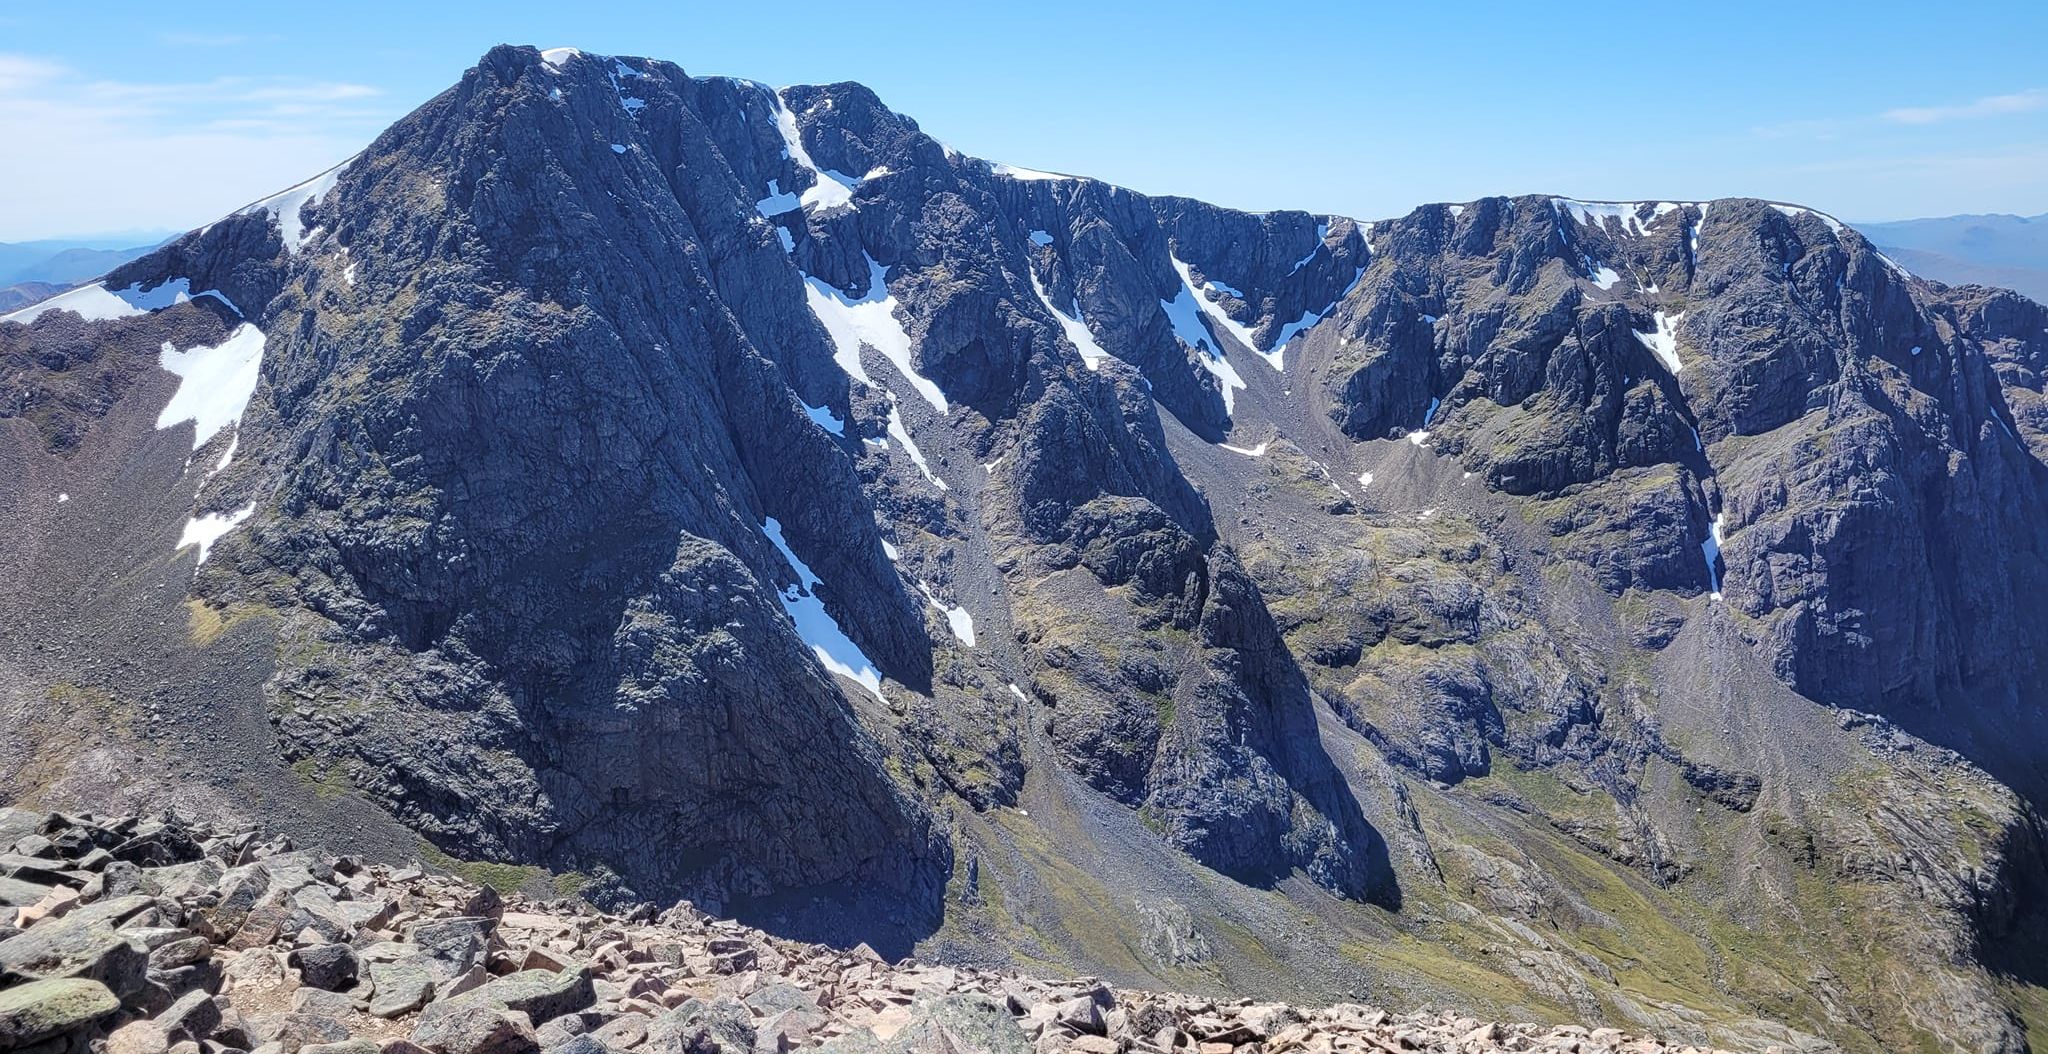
(153, 937)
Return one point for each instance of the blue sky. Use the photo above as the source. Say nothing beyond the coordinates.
(126, 116)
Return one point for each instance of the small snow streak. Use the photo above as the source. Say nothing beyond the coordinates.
(902, 435)
(1029, 175)
(814, 625)
(1075, 328)
(1711, 549)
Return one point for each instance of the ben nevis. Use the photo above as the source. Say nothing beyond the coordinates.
(633, 560)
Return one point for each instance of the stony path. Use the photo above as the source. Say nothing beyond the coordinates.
(144, 937)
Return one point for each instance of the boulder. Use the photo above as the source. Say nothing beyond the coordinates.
(959, 1023)
(451, 946)
(475, 1028)
(17, 893)
(39, 1010)
(333, 967)
(399, 988)
(69, 948)
(724, 1026)
(540, 994)
(295, 1031)
(193, 1016)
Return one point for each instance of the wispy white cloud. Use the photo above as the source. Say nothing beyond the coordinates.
(1988, 106)
(185, 38)
(90, 154)
(1835, 128)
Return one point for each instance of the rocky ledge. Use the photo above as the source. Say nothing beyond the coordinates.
(136, 936)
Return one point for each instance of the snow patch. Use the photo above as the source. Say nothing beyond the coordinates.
(1025, 174)
(1711, 549)
(1834, 225)
(556, 58)
(1664, 340)
(96, 303)
(1627, 213)
(822, 417)
(1322, 232)
(1253, 451)
(1604, 277)
(815, 626)
(1019, 693)
(1041, 238)
(957, 618)
(777, 202)
(1186, 317)
(1199, 293)
(1287, 333)
(203, 531)
(214, 384)
(62, 498)
(830, 189)
(902, 435)
(1075, 328)
(870, 320)
(285, 206)
(1364, 480)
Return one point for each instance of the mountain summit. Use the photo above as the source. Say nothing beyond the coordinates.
(1625, 611)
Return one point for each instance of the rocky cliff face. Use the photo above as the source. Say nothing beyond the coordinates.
(1625, 610)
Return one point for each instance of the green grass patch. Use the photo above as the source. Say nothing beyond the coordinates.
(505, 878)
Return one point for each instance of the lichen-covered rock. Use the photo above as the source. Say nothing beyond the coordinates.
(39, 1010)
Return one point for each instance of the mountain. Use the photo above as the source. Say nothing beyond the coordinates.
(1558, 609)
(61, 262)
(1996, 250)
(20, 295)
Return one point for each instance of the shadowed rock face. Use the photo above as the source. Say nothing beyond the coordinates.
(736, 494)
(1877, 497)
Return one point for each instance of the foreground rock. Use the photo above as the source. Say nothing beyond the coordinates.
(236, 943)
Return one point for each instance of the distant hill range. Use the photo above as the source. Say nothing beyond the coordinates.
(34, 271)
(1997, 250)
